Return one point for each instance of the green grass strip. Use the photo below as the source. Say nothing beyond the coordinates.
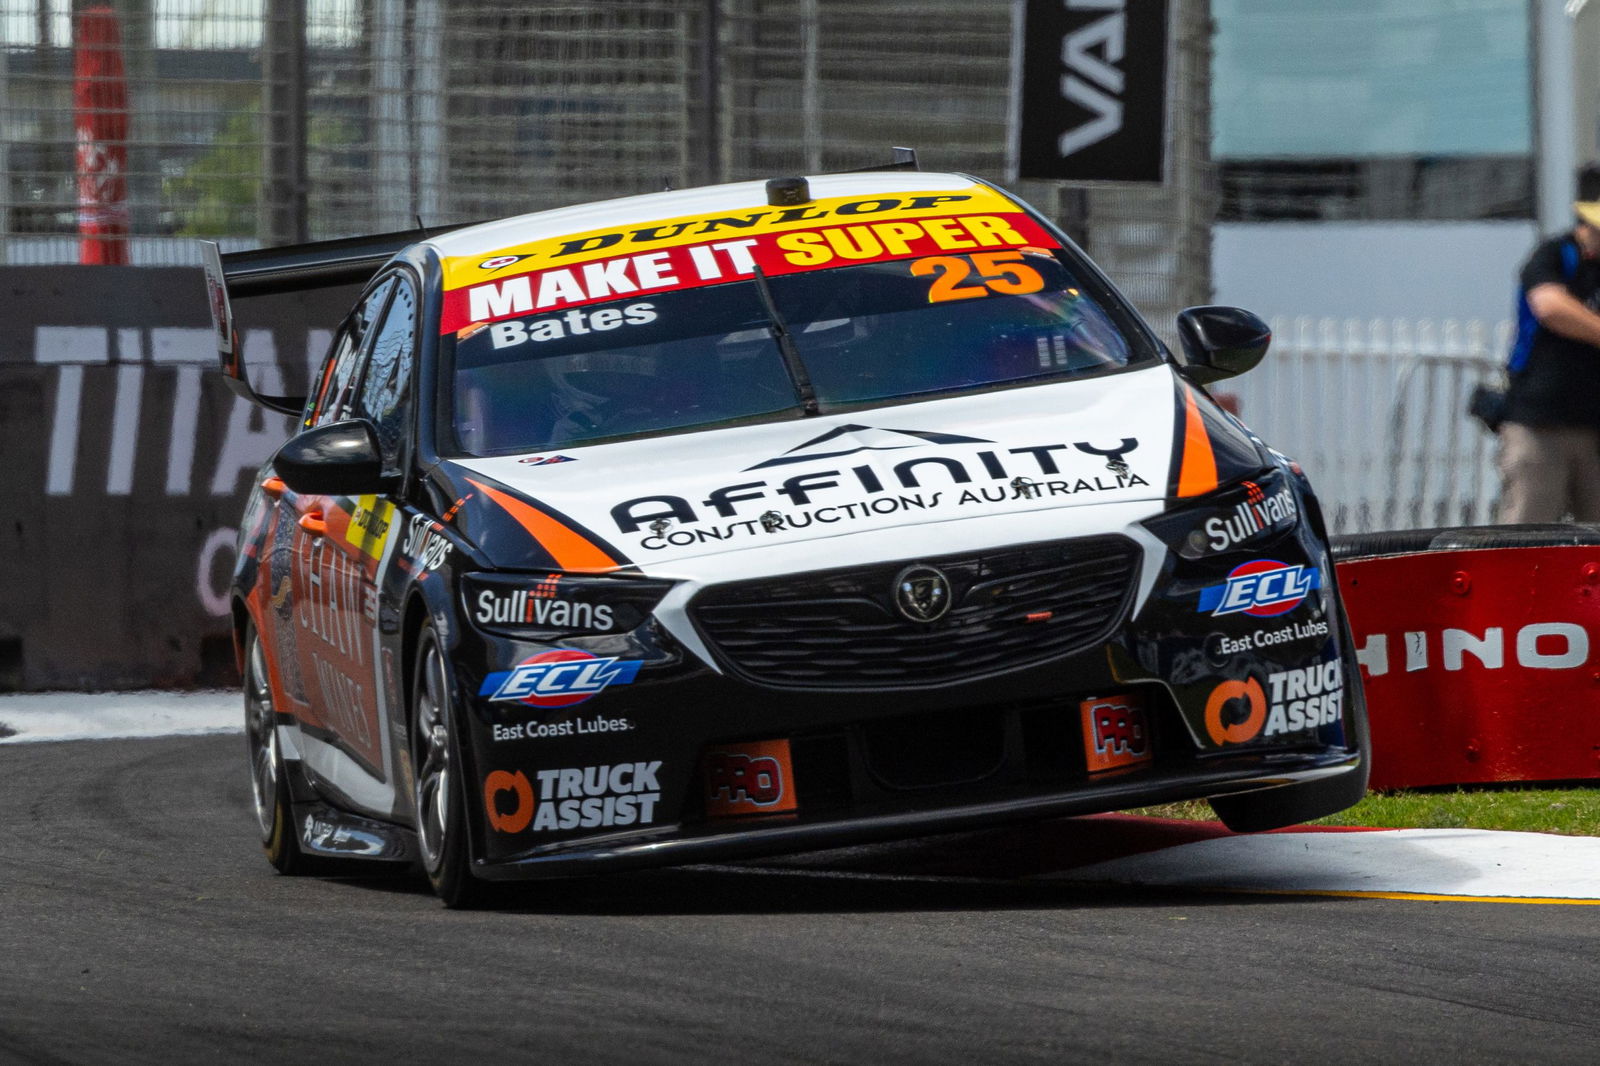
(1572, 812)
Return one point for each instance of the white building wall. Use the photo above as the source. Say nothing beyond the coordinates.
(1367, 270)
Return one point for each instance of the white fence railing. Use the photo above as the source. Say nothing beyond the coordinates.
(1376, 412)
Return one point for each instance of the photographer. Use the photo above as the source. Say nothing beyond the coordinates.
(1549, 458)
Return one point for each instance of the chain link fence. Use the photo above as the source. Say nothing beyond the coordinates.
(1397, 450)
(264, 123)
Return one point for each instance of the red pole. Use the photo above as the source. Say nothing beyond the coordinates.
(100, 105)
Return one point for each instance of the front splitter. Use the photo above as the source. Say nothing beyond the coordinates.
(721, 843)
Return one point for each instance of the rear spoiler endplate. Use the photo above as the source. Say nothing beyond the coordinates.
(291, 268)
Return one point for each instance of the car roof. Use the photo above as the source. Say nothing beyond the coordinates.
(490, 237)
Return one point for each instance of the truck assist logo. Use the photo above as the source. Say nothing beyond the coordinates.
(1302, 698)
(578, 797)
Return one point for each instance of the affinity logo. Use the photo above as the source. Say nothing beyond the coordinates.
(848, 440)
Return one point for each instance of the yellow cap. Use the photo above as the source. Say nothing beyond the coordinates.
(1588, 211)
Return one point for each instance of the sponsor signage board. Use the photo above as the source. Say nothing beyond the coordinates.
(1478, 666)
(1090, 96)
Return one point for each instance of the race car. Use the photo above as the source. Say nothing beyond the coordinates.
(762, 517)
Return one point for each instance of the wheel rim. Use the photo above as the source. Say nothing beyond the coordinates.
(433, 758)
(260, 728)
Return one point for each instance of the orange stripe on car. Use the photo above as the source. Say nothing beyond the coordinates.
(1198, 474)
(569, 548)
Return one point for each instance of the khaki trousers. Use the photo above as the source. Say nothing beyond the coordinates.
(1549, 472)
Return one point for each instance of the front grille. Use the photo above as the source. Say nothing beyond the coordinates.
(839, 628)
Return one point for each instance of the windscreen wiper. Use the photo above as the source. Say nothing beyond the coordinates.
(791, 355)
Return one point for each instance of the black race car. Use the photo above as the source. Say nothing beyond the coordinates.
(763, 517)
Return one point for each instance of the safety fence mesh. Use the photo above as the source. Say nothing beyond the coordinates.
(264, 123)
(1397, 450)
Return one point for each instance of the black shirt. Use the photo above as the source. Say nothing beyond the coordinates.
(1560, 384)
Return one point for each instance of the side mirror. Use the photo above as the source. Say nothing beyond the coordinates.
(338, 459)
(1220, 342)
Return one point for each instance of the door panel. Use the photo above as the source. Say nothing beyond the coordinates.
(336, 547)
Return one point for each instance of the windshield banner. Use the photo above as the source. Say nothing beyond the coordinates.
(599, 267)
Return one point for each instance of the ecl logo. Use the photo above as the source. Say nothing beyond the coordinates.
(1262, 588)
(558, 678)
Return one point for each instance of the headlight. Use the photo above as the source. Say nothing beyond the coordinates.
(1246, 515)
(551, 604)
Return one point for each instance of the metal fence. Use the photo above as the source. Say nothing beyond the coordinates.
(1376, 412)
(268, 122)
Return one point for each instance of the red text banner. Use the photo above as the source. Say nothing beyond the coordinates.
(715, 262)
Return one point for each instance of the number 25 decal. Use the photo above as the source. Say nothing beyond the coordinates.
(1002, 272)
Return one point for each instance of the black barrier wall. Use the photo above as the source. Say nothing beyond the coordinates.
(124, 464)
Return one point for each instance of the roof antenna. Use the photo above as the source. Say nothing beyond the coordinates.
(420, 228)
(666, 183)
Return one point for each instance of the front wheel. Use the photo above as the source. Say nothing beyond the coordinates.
(269, 787)
(1275, 808)
(440, 793)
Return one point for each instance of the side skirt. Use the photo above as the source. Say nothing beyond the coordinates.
(337, 834)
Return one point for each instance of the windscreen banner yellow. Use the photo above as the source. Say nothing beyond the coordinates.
(593, 267)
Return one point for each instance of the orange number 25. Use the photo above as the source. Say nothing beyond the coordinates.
(1003, 272)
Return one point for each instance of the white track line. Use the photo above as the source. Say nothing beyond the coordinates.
(36, 716)
(1448, 863)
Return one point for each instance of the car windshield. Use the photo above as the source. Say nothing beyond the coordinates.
(707, 356)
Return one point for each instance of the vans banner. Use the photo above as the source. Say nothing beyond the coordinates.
(1091, 98)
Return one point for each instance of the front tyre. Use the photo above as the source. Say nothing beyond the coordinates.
(269, 787)
(440, 792)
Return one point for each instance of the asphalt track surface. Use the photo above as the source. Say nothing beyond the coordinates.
(139, 923)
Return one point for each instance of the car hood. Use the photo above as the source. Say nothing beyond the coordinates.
(658, 503)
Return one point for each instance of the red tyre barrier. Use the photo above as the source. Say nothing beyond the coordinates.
(1480, 665)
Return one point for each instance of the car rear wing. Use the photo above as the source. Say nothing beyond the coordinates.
(903, 159)
(291, 268)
